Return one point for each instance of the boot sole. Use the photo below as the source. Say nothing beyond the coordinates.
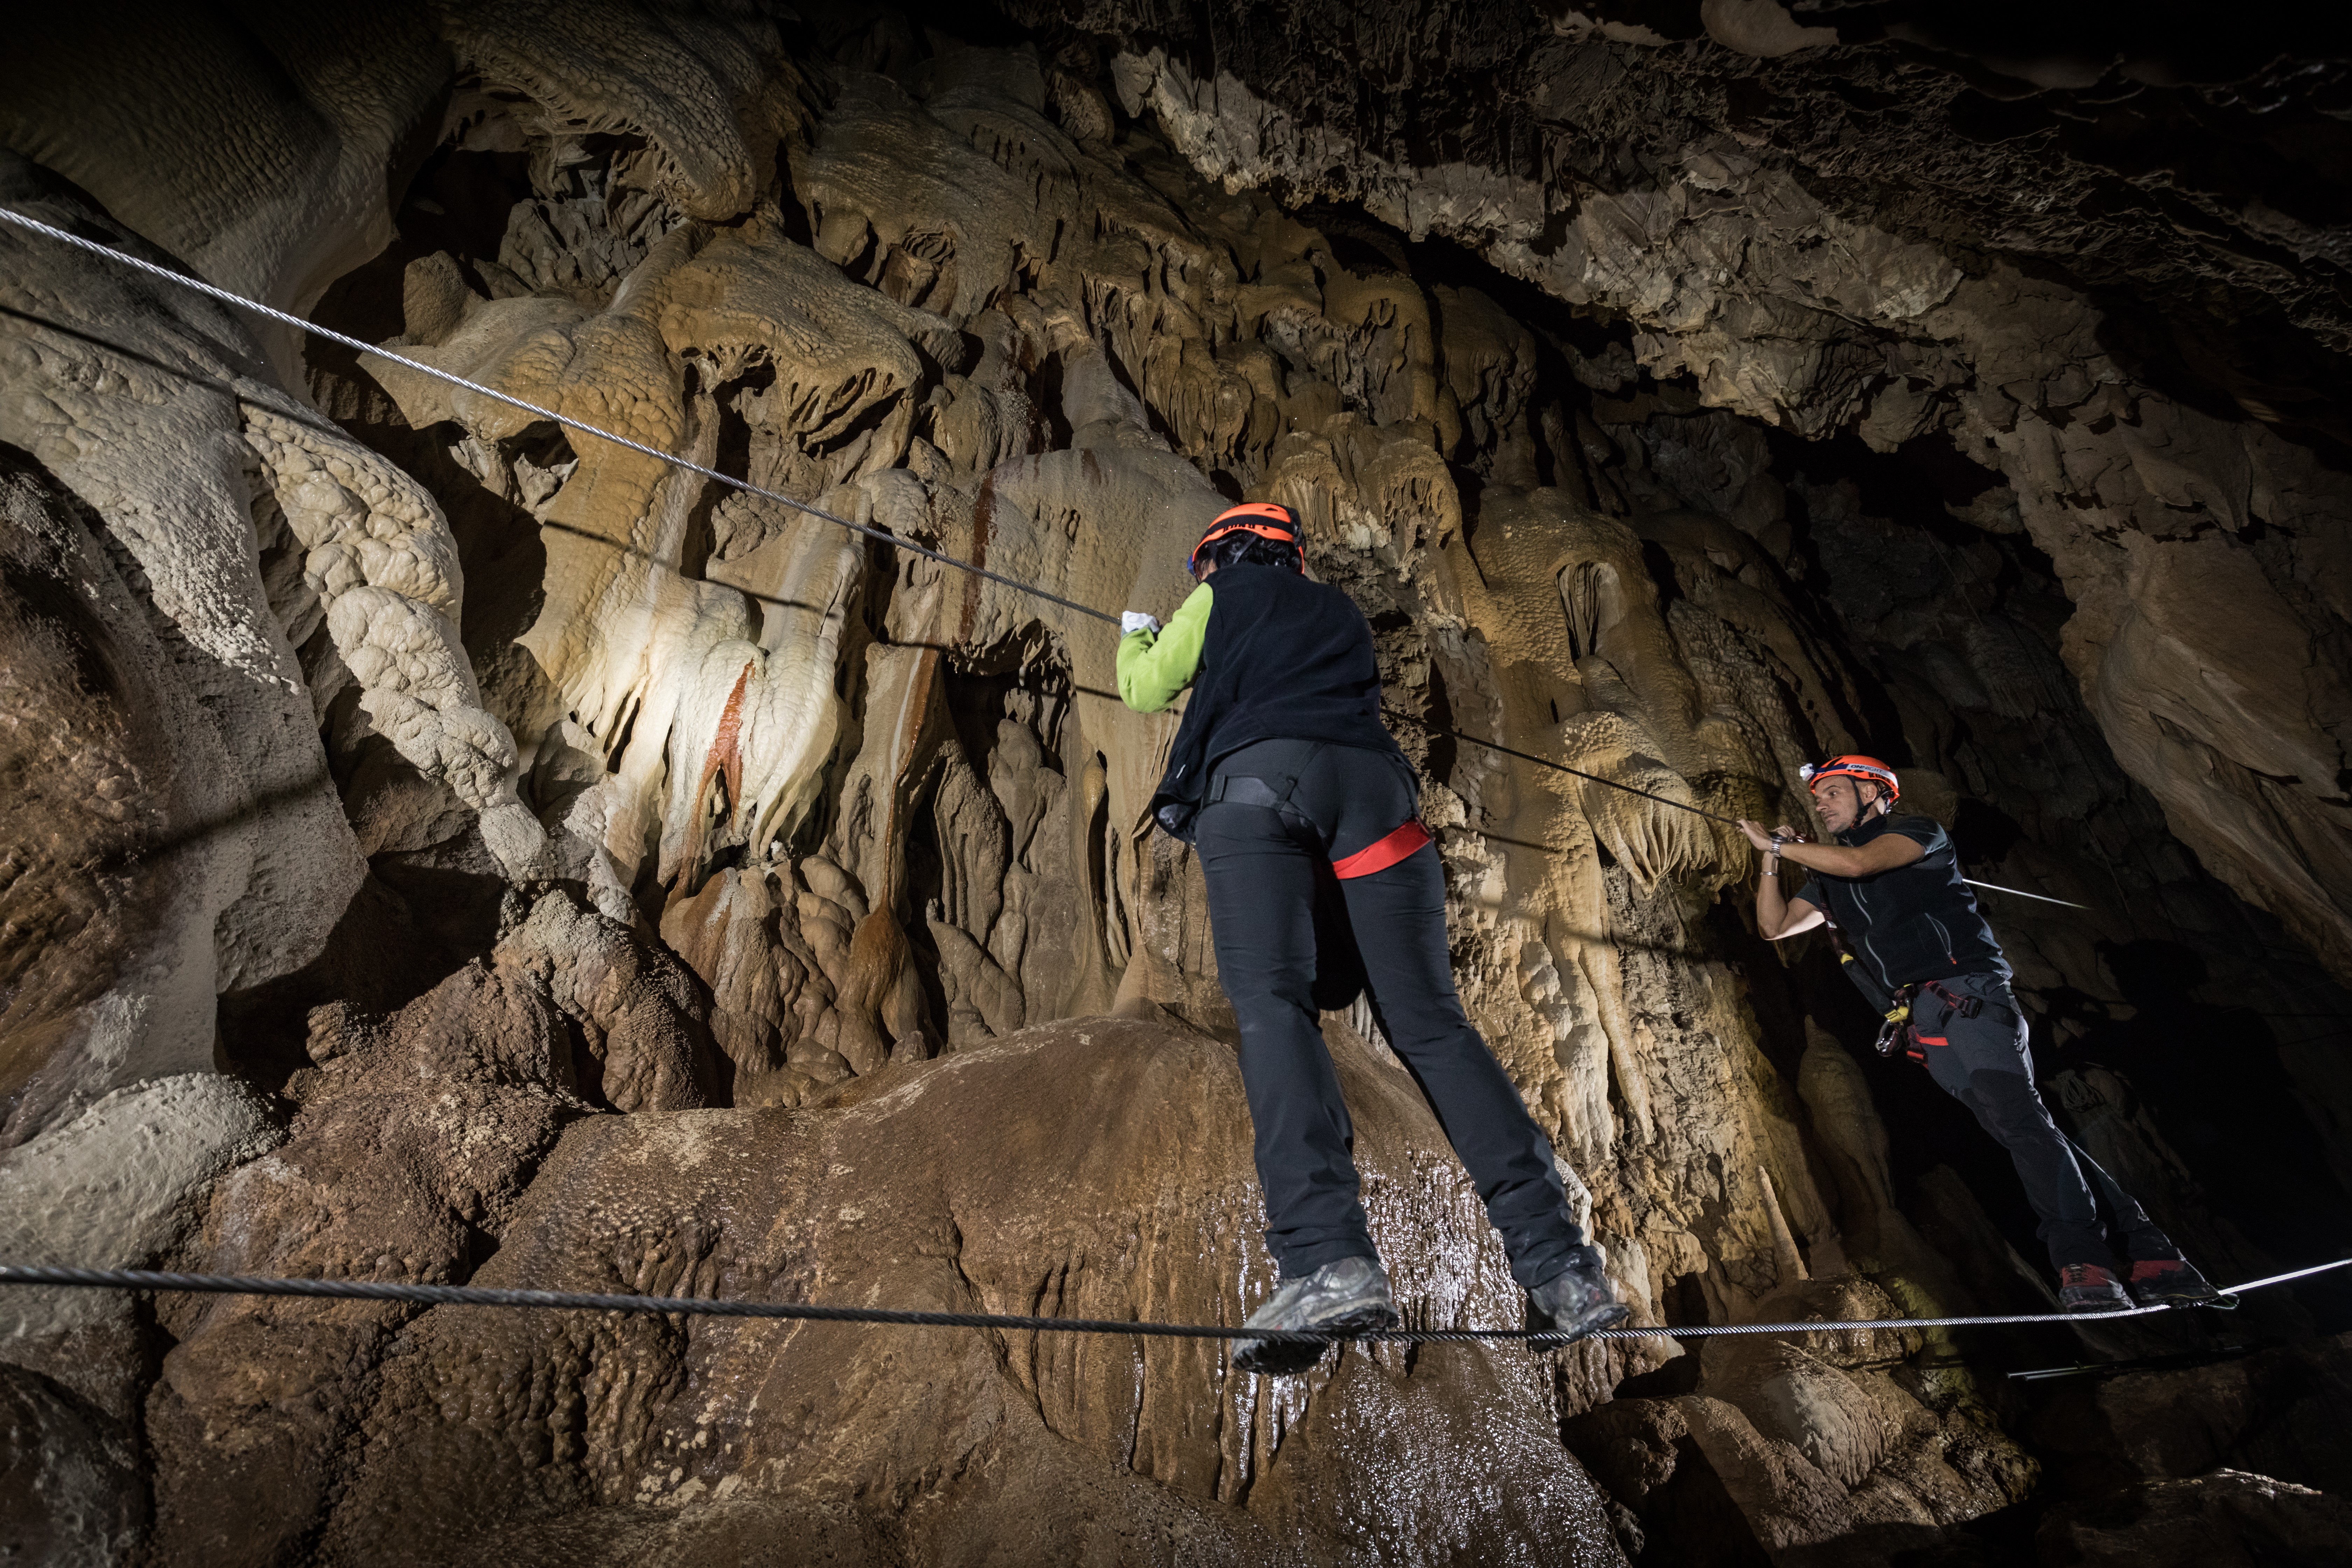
(1280, 1358)
(1604, 1316)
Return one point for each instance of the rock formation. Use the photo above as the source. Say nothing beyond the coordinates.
(451, 846)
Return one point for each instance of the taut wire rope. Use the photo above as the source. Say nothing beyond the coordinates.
(228, 296)
(706, 1307)
(462, 1295)
(362, 345)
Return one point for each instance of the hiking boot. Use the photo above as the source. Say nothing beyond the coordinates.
(2087, 1288)
(1574, 1301)
(2171, 1282)
(1353, 1293)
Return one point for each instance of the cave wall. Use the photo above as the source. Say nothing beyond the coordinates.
(2111, 279)
(487, 824)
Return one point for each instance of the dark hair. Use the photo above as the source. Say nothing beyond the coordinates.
(1251, 550)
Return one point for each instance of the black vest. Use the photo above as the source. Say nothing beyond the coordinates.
(1916, 923)
(1285, 659)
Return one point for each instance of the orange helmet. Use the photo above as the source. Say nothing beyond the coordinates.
(1258, 517)
(1854, 766)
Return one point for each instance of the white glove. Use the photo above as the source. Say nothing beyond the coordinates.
(1136, 621)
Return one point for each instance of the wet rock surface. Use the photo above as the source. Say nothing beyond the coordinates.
(452, 848)
(934, 1186)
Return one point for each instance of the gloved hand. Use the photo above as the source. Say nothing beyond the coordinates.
(1136, 621)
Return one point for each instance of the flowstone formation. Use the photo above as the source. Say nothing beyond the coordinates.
(451, 846)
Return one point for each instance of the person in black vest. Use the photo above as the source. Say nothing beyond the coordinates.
(1306, 818)
(1912, 940)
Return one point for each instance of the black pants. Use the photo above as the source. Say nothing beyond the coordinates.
(1293, 939)
(1984, 1064)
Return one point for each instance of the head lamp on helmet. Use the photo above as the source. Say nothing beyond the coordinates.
(1869, 769)
(1264, 519)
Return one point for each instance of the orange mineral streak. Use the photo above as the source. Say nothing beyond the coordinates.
(724, 758)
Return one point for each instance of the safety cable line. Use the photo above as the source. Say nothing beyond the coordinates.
(2019, 892)
(892, 540)
(145, 1279)
(362, 345)
(695, 1306)
(1661, 800)
(1559, 767)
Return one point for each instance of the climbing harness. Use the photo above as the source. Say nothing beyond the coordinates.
(1246, 789)
(1894, 1030)
(1898, 1033)
(705, 1307)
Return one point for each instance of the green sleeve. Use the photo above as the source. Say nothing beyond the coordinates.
(1153, 668)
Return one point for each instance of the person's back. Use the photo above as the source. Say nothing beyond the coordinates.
(1280, 658)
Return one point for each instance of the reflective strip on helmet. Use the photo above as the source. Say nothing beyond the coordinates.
(1281, 525)
(1851, 767)
(1266, 508)
(1278, 535)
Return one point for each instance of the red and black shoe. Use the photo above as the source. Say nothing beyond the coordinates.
(2172, 1282)
(2087, 1288)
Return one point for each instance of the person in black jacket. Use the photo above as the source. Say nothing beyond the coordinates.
(1912, 940)
(1306, 818)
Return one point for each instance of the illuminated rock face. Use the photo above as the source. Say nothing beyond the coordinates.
(454, 848)
(1959, 239)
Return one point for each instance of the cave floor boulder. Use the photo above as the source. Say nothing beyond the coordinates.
(1097, 1168)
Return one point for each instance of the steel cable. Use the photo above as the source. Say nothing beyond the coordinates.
(705, 1307)
(229, 298)
(472, 1296)
(568, 423)
(360, 344)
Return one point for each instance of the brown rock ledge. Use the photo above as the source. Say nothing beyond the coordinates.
(1092, 1167)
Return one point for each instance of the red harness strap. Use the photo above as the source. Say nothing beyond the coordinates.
(1383, 853)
